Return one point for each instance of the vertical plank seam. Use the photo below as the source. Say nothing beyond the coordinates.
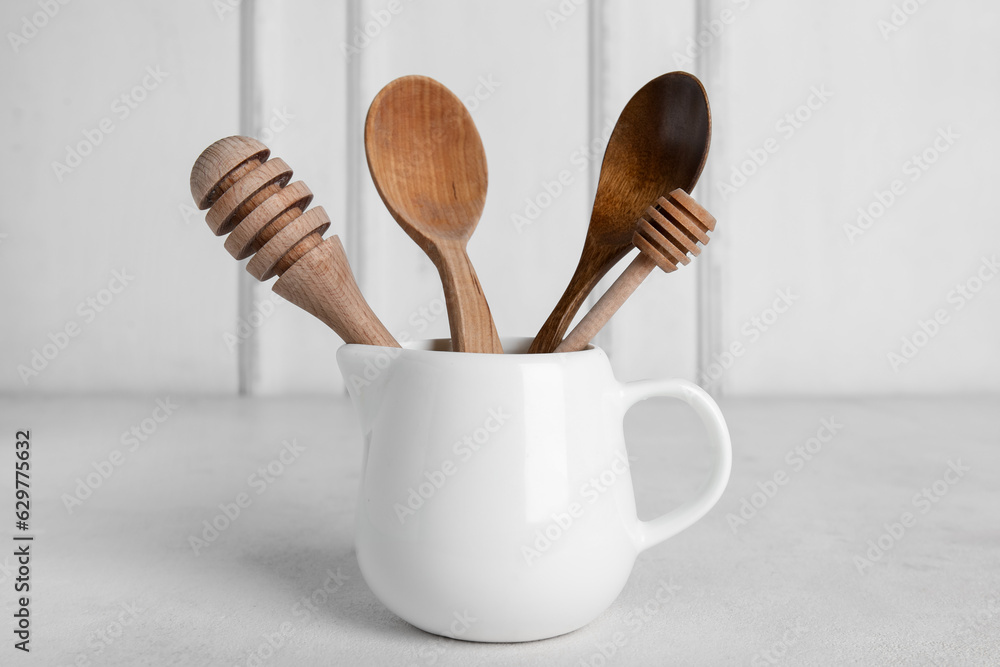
(708, 289)
(353, 206)
(353, 228)
(596, 66)
(249, 123)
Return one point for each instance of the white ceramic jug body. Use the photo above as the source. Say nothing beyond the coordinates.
(496, 502)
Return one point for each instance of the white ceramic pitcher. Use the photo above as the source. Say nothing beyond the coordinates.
(496, 502)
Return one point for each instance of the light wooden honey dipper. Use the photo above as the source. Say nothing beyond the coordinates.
(249, 198)
(665, 234)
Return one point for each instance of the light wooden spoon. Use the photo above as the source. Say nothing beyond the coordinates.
(659, 144)
(428, 165)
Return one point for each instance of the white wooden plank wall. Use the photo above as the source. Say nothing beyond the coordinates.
(124, 204)
(858, 291)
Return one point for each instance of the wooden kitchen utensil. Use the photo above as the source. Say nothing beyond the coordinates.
(428, 165)
(665, 235)
(249, 198)
(659, 144)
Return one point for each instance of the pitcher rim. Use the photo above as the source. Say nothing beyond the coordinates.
(442, 346)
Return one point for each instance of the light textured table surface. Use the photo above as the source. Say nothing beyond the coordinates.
(116, 581)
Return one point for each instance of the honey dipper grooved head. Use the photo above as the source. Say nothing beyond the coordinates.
(672, 228)
(248, 195)
(220, 165)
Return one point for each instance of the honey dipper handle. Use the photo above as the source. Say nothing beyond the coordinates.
(321, 283)
(608, 304)
(595, 261)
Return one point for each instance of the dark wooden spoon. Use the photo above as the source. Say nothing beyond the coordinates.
(659, 144)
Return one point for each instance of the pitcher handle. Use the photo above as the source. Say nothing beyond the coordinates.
(651, 533)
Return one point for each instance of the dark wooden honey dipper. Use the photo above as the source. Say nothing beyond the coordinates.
(249, 198)
(665, 235)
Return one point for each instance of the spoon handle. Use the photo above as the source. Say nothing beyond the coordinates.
(608, 305)
(472, 328)
(594, 263)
